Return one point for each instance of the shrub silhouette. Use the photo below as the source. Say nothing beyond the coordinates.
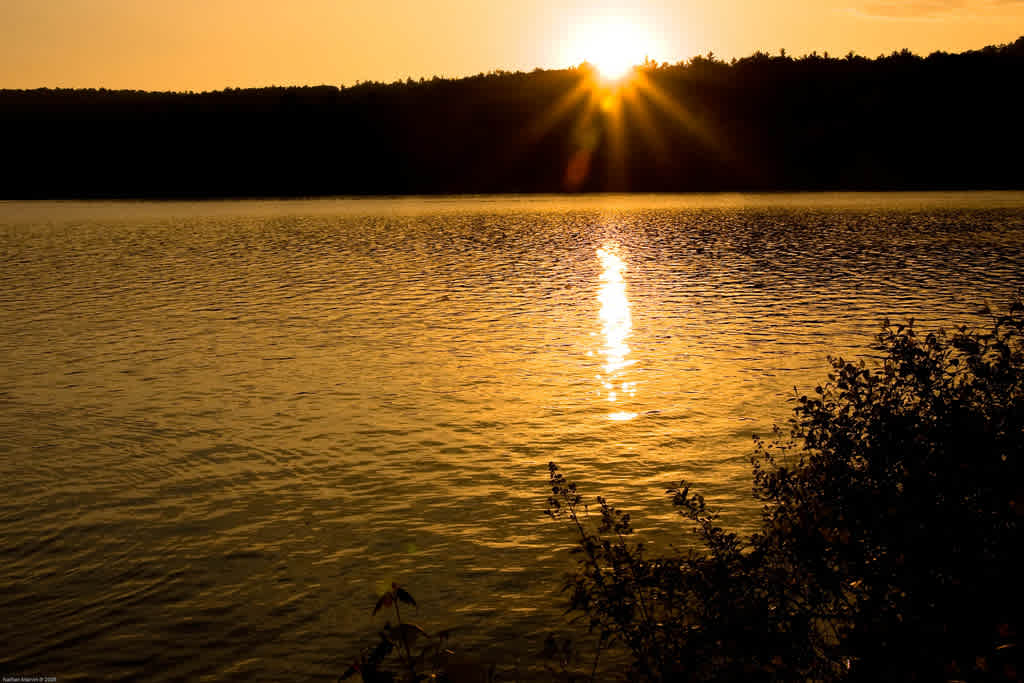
(420, 656)
(887, 542)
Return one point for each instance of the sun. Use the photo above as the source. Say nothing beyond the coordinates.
(613, 45)
(613, 63)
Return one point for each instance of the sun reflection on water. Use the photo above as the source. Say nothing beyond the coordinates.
(617, 326)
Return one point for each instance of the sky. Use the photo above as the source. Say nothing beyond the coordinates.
(213, 44)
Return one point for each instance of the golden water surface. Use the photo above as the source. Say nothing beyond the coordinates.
(225, 425)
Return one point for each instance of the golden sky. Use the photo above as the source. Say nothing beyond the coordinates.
(213, 44)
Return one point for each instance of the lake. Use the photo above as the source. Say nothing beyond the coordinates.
(225, 426)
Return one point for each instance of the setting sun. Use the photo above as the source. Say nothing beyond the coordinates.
(613, 45)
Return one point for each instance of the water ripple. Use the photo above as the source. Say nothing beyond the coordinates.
(224, 426)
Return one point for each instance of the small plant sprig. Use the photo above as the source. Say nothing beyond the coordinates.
(428, 663)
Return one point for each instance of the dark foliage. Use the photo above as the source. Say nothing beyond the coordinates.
(895, 122)
(418, 656)
(889, 536)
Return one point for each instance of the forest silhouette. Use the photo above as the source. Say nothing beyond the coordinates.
(764, 122)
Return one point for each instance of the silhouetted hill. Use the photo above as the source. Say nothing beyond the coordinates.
(762, 122)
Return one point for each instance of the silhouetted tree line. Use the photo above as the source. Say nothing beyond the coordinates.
(760, 123)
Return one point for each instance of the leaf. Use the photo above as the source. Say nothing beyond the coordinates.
(383, 601)
(403, 596)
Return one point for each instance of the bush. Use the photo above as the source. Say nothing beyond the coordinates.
(888, 539)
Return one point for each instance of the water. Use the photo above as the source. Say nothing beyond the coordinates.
(225, 426)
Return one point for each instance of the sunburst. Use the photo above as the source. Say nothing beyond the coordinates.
(612, 44)
(618, 98)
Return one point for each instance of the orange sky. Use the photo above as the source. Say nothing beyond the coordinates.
(212, 44)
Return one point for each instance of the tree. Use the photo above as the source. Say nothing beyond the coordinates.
(889, 529)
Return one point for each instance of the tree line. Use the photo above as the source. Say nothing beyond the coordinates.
(764, 122)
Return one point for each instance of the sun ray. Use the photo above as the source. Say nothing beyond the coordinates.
(612, 104)
(678, 113)
(561, 109)
(636, 111)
